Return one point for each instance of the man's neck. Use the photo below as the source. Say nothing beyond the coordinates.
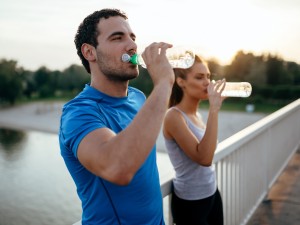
(110, 87)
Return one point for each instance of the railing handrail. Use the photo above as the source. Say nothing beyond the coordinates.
(236, 140)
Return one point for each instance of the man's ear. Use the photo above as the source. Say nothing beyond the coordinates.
(88, 52)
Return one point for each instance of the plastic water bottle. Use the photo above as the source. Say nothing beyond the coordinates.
(237, 89)
(184, 59)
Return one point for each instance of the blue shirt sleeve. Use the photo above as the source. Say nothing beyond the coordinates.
(77, 121)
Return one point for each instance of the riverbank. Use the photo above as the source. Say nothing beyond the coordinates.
(39, 116)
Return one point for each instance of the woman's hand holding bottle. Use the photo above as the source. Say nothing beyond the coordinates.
(214, 90)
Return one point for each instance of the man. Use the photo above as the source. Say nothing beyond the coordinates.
(108, 131)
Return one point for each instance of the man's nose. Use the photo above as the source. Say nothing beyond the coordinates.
(131, 45)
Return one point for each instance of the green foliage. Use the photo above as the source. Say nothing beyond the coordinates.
(45, 82)
(216, 69)
(273, 80)
(274, 70)
(29, 87)
(73, 78)
(240, 67)
(294, 70)
(275, 93)
(247, 67)
(10, 81)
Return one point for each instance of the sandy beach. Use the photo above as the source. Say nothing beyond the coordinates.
(39, 116)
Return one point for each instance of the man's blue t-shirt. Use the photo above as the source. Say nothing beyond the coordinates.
(138, 203)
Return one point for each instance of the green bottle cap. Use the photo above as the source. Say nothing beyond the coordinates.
(134, 59)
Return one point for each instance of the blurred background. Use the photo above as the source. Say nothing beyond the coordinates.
(251, 40)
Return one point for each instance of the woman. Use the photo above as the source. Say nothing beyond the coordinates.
(191, 146)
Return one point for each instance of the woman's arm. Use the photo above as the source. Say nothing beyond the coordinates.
(176, 127)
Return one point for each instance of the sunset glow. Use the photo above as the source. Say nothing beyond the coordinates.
(39, 33)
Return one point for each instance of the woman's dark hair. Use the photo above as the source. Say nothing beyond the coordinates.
(87, 31)
(177, 93)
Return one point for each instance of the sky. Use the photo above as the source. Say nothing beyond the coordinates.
(39, 33)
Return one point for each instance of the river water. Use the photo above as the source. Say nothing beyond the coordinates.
(36, 188)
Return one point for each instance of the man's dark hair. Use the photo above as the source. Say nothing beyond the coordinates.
(87, 31)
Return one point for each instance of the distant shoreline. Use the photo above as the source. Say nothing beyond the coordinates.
(39, 116)
(45, 117)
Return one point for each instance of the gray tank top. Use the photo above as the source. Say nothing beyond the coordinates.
(192, 181)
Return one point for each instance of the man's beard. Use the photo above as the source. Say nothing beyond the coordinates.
(113, 73)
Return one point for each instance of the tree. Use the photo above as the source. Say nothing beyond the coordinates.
(216, 69)
(240, 67)
(29, 86)
(44, 82)
(73, 78)
(257, 72)
(274, 70)
(10, 81)
(294, 70)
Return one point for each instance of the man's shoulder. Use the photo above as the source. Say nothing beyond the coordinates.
(79, 103)
(135, 91)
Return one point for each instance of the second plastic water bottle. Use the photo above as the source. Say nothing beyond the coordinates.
(237, 89)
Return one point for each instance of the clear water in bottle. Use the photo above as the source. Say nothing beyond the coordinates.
(177, 58)
(237, 89)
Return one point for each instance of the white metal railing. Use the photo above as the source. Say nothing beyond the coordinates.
(250, 161)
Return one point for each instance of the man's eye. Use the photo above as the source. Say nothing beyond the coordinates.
(117, 38)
